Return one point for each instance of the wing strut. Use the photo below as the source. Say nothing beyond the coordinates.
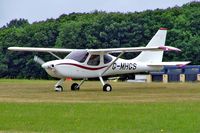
(55, 55)
(112, 63)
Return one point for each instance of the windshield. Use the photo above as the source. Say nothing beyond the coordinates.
(78, 55)
(107, 58)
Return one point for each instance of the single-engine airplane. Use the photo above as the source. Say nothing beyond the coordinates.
(92, 63)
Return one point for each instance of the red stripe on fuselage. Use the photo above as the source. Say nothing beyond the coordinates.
(84, 67)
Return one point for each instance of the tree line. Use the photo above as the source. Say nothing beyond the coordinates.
(99, 29)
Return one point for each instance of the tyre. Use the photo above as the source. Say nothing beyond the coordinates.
(59, 88)
(75, 87)
(107, 88)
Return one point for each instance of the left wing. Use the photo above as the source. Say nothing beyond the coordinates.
(34, 49)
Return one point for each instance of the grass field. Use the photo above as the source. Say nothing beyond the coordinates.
(33, 106)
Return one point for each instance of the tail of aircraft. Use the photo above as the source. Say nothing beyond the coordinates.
(158, 40)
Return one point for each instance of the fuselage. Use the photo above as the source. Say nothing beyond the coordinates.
(92, 66)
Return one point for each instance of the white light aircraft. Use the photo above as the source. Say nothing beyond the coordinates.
(92, 63)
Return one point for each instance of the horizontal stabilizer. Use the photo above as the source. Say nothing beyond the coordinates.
(178, 63)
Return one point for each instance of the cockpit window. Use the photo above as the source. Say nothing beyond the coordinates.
(107, 59)
(79, 56)
(94, 60)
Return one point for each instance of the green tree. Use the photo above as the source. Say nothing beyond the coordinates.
(98, 29)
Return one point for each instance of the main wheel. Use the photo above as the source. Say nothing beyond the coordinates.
(75, 87)
(59, 88)
(107, 88)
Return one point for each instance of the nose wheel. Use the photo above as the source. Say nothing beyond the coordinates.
(58, 88)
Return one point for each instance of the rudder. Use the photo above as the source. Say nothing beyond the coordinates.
(154, 56)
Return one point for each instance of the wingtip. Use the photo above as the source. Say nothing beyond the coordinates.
(9, 48)
(169, 48)
(12, 48)
(177, 50)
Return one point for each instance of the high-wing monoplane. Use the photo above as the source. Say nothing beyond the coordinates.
(93, 63)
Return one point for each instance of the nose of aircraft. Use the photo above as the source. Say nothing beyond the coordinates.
(50, 68)
(47, 65)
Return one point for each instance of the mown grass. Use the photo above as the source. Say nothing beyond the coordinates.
(100, 117)
(31, 106)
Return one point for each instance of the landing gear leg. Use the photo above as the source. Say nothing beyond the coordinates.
(58, 87)
(106, 87)
(76, 87)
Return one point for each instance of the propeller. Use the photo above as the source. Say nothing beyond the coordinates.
(49, 67)
(44, 64)
(38, 60)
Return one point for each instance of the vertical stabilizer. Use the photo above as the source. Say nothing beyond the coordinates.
(157, 41)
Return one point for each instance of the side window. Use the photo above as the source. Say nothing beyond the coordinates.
(94, 60)
(84, 58)
(107, 59)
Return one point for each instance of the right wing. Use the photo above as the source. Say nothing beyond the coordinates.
(34, 49)
(133, 49)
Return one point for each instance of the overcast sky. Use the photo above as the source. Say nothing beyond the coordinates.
(37, 10)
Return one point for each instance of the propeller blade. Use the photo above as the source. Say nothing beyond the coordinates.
(38, 60)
